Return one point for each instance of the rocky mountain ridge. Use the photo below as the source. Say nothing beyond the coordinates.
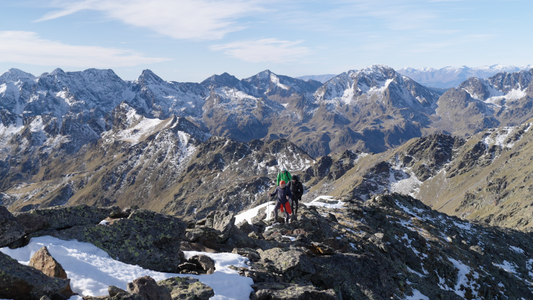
(165, 165)
(397, 246)
(484, 178)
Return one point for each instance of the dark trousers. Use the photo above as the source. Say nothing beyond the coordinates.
(294, 204)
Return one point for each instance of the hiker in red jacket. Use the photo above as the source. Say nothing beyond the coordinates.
(284, 194)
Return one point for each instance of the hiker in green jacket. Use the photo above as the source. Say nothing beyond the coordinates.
(283, 175)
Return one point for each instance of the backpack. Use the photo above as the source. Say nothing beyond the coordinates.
(297, 189)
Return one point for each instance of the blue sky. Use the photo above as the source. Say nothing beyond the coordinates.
(190, 40)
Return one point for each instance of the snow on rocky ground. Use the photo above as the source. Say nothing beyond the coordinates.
(251, 213)
(327, 202)
(323, 201)
(502, 136)
(91, 270)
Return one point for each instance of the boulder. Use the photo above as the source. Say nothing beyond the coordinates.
(187, 288)
(290, 263)
(288, 291)
(32, 222)
(189, 268)
(148, 239)
(18, 281)
(249, 253)
(42, 260)
(188, 246)
(62, 217)
(205, 262)
(113, 291)
(208, 237)
(224, 222)
(147, 288)
(246, 227)
(10, 229)
(261, 215)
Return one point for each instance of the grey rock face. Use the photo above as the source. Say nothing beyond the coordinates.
(145, 238)
(65, 217)
(187, 288)
(10, 229)
(388, 246)
(287, 291)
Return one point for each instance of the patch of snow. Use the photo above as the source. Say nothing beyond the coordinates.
(407, 244)
(275, 80)
(465, 226)
(134, 134)
(251, 213)
(289, 237)
(91, 270)
(507, 266)
(409, 185)
(415, 272)
(517, 249)
(529, 266)
(464, 280)
(7, 131)
(417, 295)
(500, 137)
(104, 222)
(409, 211)
(516, 94)
(327, 202)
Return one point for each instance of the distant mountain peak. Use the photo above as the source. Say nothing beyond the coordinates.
(14, 74)
(57, 71)
(376, 68)
(148, 76)
(223, 79)
(449, 76)
(265, 74)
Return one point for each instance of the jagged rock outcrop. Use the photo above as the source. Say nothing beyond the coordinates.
(42, 260)
(397, 246)
(18, 281)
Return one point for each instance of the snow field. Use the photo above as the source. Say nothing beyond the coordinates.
(91, 270)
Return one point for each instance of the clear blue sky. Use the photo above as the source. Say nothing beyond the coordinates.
(190, 40)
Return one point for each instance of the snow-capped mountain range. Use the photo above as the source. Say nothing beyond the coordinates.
(448, 77)
(366, 104)
(53, 127)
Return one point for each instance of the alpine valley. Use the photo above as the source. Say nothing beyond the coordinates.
(398, 155)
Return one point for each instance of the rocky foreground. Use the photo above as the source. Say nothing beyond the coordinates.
(389, 247)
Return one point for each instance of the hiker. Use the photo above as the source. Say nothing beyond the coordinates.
(284, 194)
(297, 190)
(283, 175)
